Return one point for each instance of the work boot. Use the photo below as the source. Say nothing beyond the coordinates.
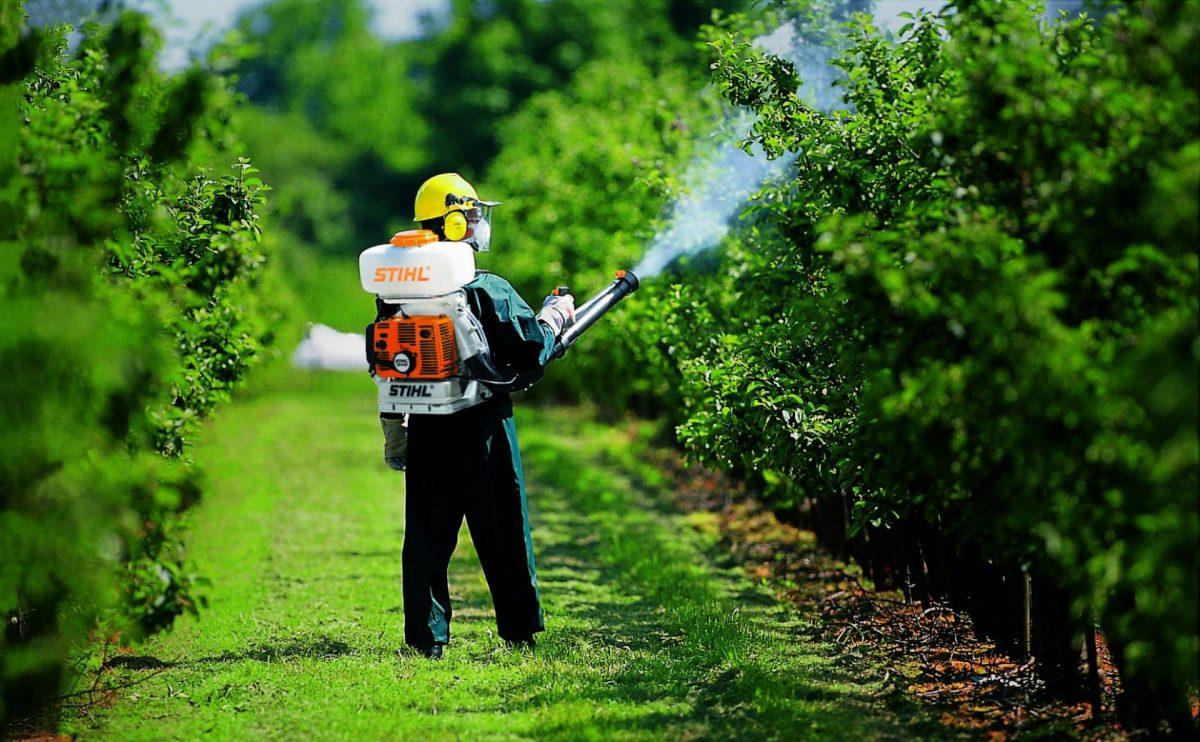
(433, 652)
(522, 642)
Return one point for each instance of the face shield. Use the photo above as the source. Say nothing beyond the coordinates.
(479, 225)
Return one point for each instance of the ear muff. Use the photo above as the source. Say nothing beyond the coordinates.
(454, 226)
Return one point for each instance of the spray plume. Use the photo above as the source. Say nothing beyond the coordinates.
(720, 181)
(716, 185)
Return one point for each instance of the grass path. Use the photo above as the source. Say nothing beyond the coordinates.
(301, 534)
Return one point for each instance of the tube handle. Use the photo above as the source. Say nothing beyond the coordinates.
(590, 311)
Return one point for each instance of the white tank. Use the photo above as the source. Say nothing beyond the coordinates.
(430, 269)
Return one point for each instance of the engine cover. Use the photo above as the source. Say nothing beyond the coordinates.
(420, 347)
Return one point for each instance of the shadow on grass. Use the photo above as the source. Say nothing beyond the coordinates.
(136, 662)
(393, 554)
(317, 648)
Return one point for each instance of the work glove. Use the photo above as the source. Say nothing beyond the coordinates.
(395, 441)
(558, 313)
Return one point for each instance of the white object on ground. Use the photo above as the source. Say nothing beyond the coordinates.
(325, 347)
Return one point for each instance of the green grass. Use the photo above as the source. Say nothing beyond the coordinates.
(301, 533)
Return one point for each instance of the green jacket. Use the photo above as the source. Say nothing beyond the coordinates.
(520, 344)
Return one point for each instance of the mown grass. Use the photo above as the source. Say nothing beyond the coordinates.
(301, 535)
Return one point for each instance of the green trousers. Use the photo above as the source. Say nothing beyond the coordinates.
(467, 465)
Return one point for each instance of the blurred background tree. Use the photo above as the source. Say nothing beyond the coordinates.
(132, 301)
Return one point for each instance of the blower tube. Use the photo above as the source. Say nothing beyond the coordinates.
(594, 308)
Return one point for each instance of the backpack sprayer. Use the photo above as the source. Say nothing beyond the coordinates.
(431, 356)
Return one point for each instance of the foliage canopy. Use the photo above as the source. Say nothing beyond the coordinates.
(130, 305)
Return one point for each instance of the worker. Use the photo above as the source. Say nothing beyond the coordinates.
(467, 464)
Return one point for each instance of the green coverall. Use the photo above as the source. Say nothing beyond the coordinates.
(467, 464)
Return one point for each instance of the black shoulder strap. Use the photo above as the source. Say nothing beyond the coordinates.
(383, 310)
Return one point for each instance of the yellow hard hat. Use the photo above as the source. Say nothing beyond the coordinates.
(444, 193)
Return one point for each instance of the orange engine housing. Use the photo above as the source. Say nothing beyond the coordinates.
(418, 347)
